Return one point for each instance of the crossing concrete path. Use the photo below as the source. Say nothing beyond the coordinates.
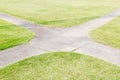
(60, 39)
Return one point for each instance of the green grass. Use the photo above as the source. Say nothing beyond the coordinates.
(58, 13)
(60, 66)
(11, 35)
(109, 34)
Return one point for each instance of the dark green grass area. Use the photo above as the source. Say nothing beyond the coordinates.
(60, 66)
(11, 35)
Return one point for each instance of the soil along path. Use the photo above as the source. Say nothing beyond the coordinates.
(60, 39)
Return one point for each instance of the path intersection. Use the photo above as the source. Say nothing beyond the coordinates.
(60, 39)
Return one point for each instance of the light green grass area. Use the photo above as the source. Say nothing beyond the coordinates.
(58, 13)
(109, 34)
(11, 35)
(60, 66)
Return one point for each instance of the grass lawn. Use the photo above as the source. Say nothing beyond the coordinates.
(11, 35)
(58, 13)
(60, 66)
(109, 34)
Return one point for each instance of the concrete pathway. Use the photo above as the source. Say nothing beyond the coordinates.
(59, 39)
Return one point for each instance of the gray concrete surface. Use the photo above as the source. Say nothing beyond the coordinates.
(60, 39)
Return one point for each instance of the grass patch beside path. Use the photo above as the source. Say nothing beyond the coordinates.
(60, 66)
(109, 34)
(58, 13)
(11, 35)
